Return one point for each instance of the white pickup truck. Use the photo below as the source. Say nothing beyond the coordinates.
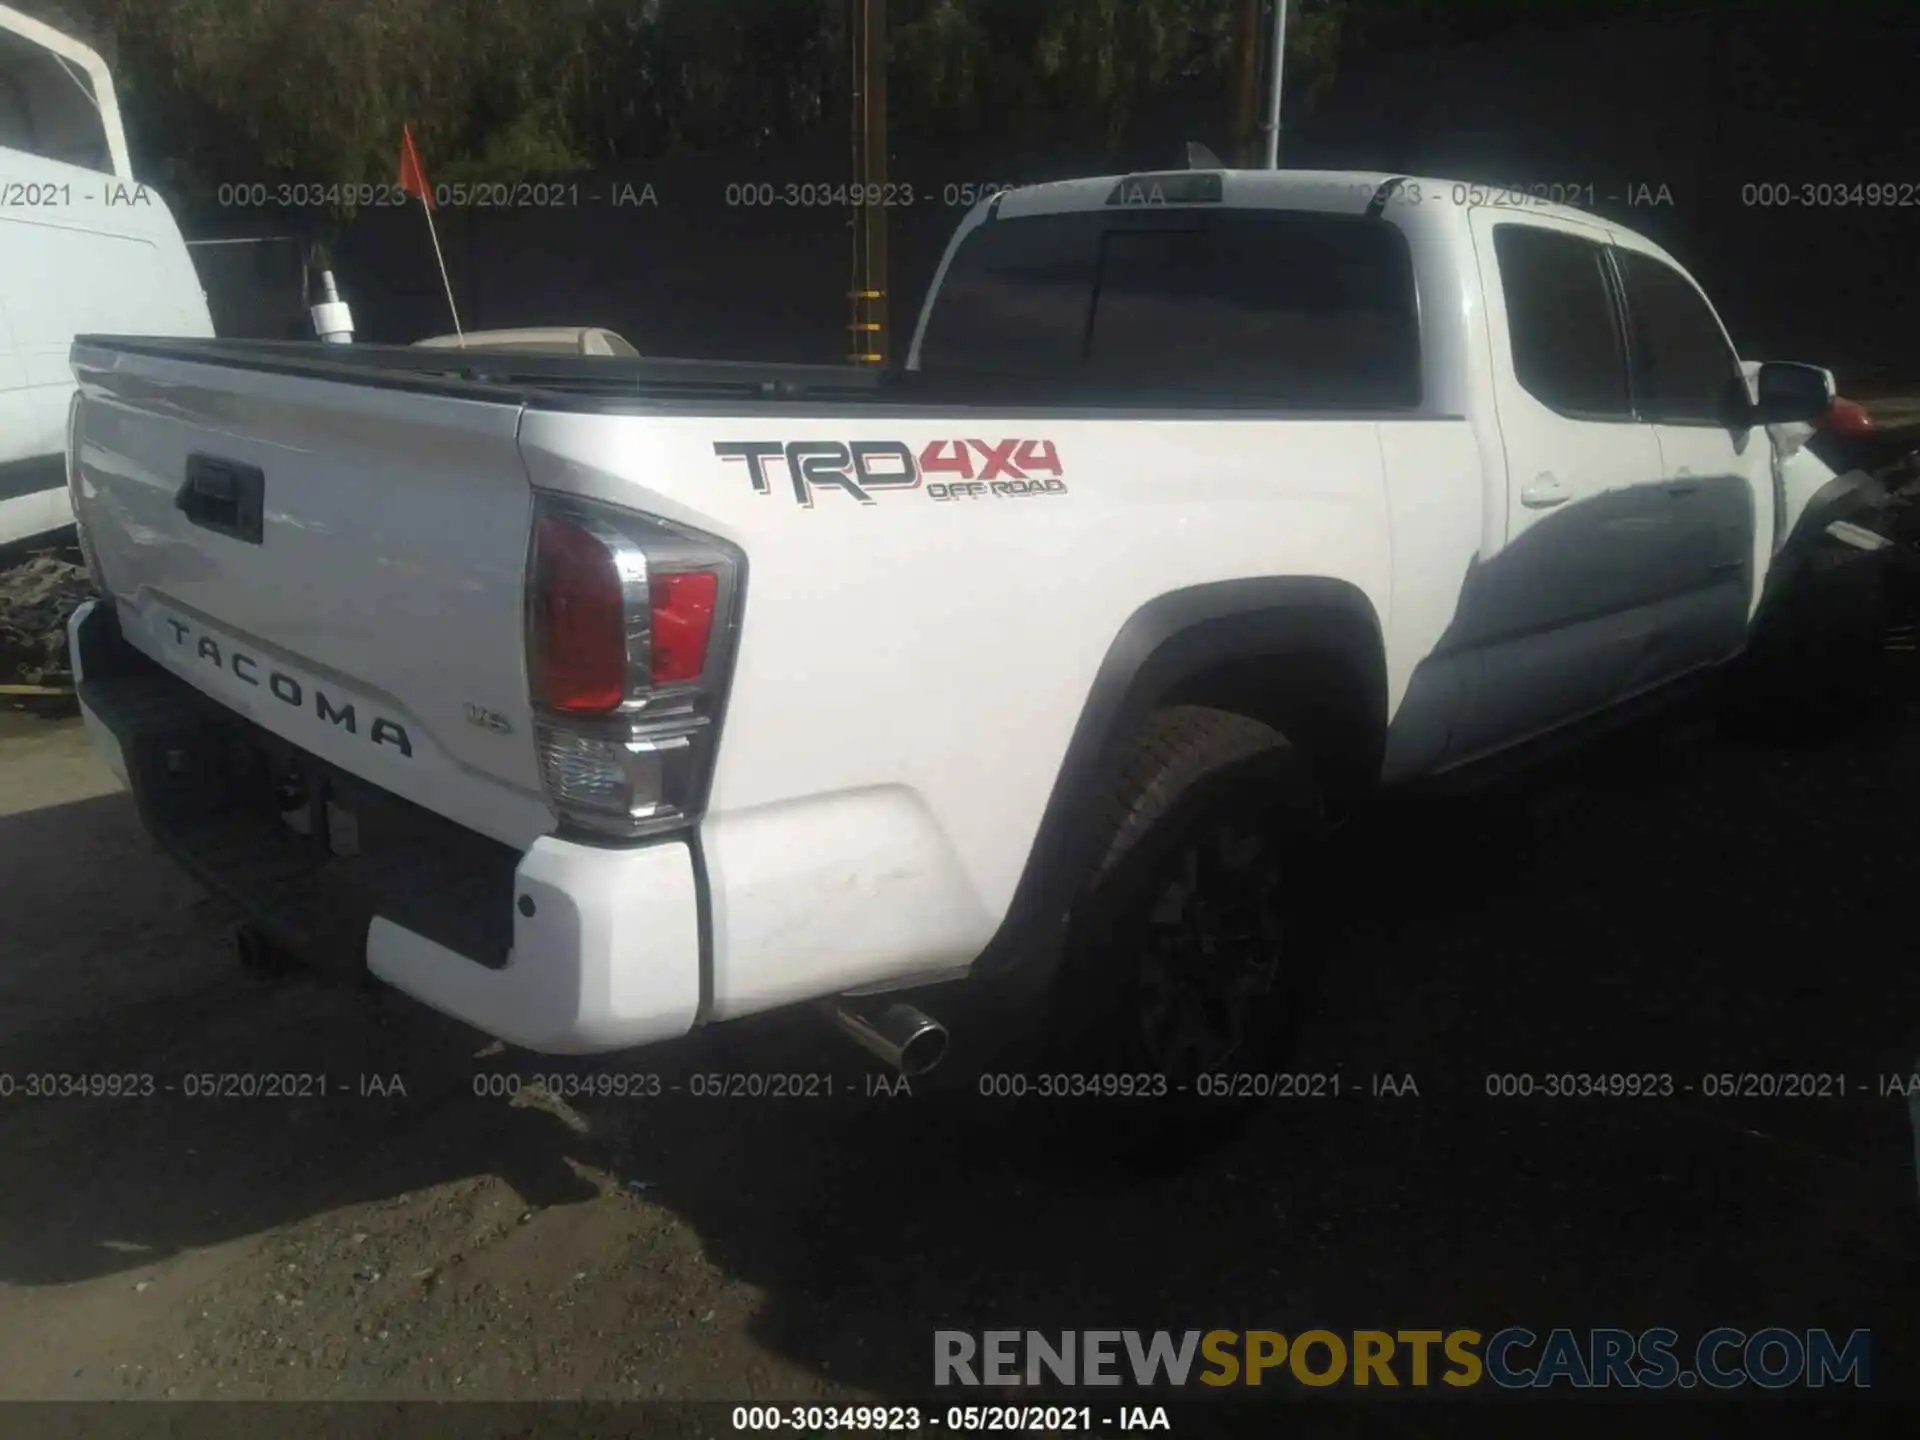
(594, 700)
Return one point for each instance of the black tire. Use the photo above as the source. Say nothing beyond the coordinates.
(1821, 666)
(261, 956)
(1860, 583)
(1184, 958)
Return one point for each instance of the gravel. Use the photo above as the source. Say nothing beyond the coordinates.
(36, 598)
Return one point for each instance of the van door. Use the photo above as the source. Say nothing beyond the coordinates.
(60, 278)
(33, 497)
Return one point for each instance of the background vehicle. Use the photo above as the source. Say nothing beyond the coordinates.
(551, 340)
(83, 247)
(593, 700)
(1844, 598)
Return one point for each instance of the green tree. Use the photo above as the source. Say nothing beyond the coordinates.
(982, 65)
(224, 90)
(277, 89)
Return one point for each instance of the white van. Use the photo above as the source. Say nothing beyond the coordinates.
(84, 249)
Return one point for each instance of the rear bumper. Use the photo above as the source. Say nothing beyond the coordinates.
(566, 948)
(608, 959)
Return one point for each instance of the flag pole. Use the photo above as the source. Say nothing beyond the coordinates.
(413, 180)
(445, 279)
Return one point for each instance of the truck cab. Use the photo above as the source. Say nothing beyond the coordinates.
(1611, 532)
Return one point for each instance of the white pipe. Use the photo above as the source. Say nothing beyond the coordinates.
(332, 320)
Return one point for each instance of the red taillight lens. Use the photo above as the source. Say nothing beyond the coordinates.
(630, 627)
(579, 621)
(1846, 417)
(682, 623)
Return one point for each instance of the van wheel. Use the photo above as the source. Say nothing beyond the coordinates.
(261, 956)
(1185, 961)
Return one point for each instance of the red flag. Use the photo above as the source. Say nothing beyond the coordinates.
(413, 176)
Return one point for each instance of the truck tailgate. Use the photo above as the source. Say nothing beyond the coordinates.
(340, 563)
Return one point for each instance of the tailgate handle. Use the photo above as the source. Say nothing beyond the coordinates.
(225, 497)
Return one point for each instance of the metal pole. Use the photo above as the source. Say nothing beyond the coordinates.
(879, 339)
(1246, 88)
(869, 295)
(1279, 72)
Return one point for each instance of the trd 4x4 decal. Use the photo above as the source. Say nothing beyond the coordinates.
(967, 469)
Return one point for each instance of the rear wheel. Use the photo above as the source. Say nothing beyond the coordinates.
(260, 955)
(1822, 663)
(1185, 958)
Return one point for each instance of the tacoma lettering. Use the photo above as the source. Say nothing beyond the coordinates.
(289, 690)
(324, 709)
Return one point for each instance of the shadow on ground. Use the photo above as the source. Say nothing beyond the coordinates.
(114, 977)
(1689, 908)
(1673, 907)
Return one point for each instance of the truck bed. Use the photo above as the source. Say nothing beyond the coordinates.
(625, 384)
(367, 608)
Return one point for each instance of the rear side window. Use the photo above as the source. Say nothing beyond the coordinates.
(1285, 308)
(1687, 373)
(1015, 298)
(16, 119)
(47, 107)
(1562, 324)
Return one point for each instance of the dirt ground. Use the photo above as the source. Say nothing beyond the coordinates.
(1693, 906)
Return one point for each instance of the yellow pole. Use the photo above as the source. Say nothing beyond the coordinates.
(869, 328)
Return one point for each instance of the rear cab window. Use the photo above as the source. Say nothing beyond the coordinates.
(1288, 308)
(1563, 324)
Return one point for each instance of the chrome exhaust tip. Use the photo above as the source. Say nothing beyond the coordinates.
(905, 1038)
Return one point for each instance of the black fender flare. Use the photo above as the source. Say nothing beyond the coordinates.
(1167, 645)
(1854, 495)
(1842, 498)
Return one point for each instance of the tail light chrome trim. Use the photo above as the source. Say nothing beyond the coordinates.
(642, 767)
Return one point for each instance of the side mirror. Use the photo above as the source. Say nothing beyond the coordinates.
(1791, 394)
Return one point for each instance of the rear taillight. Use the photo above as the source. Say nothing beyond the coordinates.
(630, 625)
(681, 608)
(579, 622)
